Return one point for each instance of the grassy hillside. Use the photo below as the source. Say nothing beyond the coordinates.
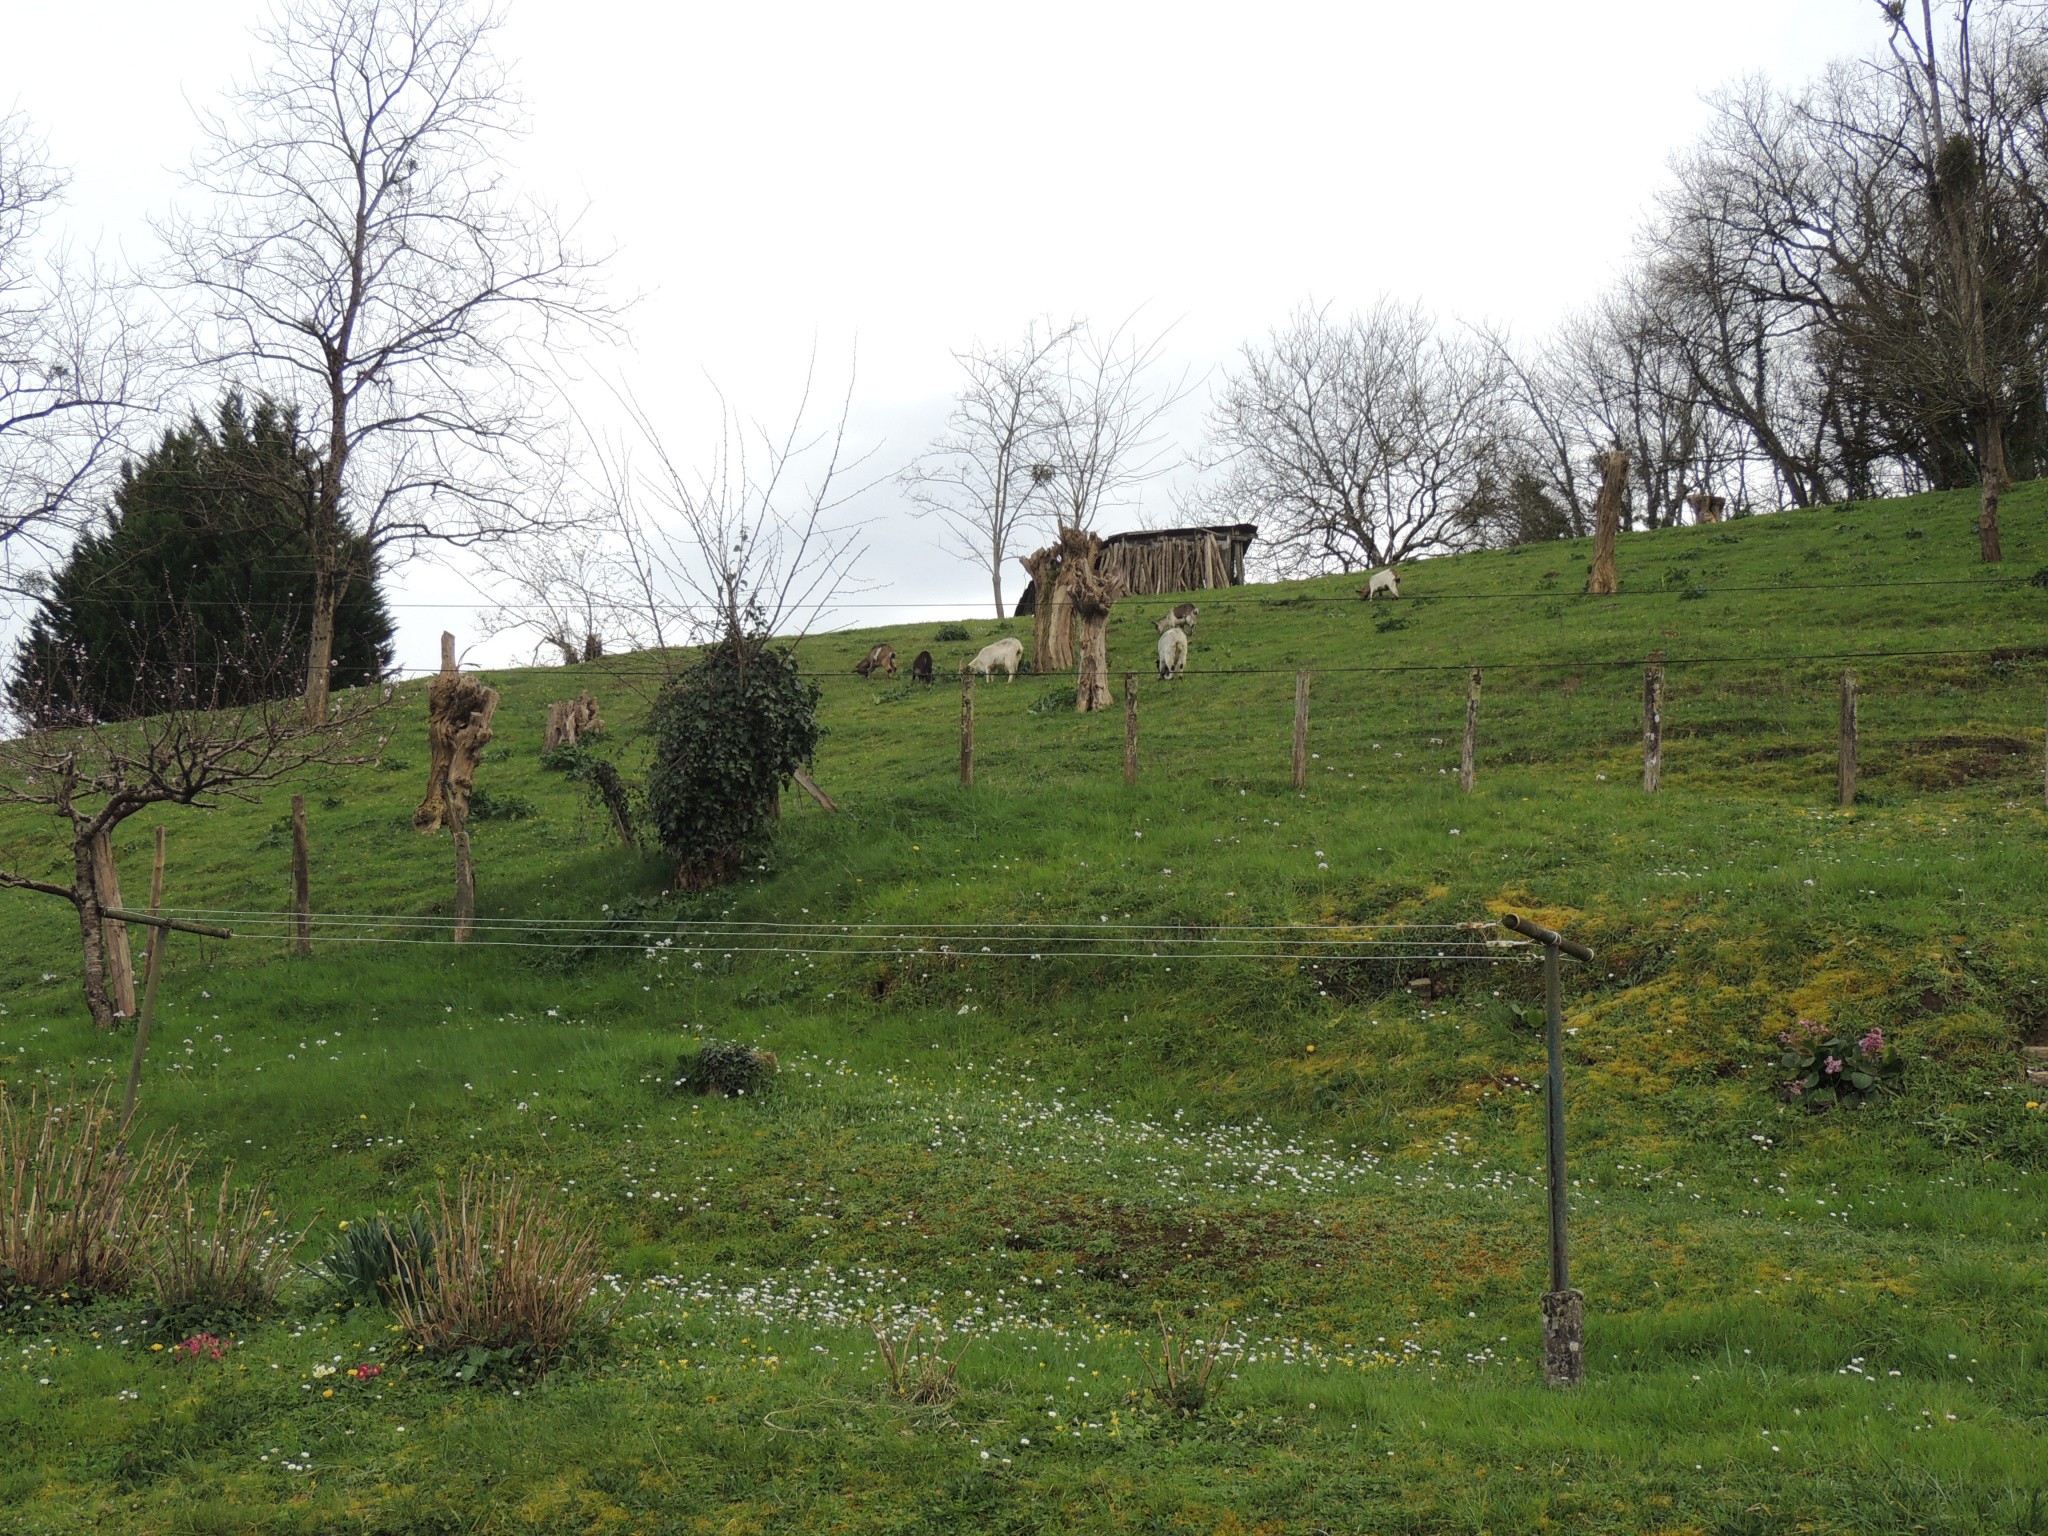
(1828, 1323)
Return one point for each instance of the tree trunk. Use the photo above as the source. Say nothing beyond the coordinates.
(996, 579)
(93, 969)
(320, 650)
(119, 958)
(1091, 681)
(1607, 513)
(1991, 458)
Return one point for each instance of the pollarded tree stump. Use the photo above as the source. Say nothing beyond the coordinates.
(459, 710)
(569, 719)
(1608, 508)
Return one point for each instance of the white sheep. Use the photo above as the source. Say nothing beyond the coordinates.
(1173, 654)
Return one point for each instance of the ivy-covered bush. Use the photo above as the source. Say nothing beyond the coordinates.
(727, 734)
(1830, 1067)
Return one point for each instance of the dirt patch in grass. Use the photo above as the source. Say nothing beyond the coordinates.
(1949, 762)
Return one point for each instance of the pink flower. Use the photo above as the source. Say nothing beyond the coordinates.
(1872, 1043)
(1833, 1065)
(201, 1346)
(1796, 1089)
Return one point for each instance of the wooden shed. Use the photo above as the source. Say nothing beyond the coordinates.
(1152, 561)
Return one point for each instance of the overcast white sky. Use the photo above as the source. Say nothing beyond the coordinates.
(907, 178)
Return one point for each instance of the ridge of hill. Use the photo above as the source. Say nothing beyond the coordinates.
(1794, 1321)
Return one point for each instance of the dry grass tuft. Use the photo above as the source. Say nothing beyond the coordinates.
(509, 1272)
(923, 1377)
(79, 1213)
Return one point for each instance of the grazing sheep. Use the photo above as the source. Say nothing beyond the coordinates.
(921, 669)
(1182, 618)
(1387, 581)
(1173, 654)
(881, 658)
(1003, 656)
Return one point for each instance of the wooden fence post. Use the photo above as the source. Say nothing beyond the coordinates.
(152, 961)
(465, 871)
(1130, 728)
(1653, 723)
(302, 877)
(1468, 759)
(1845, 768)
(1300, 730)
(114, 936)
(966, 726)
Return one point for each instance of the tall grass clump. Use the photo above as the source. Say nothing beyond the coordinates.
(79, 1212)
(509, 1278)
(219, 1256)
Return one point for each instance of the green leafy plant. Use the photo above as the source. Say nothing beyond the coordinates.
(727, 732)
(949, 634)
(1829, 1068)
(726, 1068)
(2039, 579)
(485, 806)
(373, 1260)
(508, 1283)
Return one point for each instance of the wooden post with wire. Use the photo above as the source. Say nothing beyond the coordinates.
(966, 726)
(1130, 728)
(465, 870)
(1653, 723)
(1845, 766)
(1301, 730)
(1564, 1309)
(152, 964)
(302, 879)
(1468, 759)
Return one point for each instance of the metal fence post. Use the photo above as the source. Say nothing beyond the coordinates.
(1564, 1309)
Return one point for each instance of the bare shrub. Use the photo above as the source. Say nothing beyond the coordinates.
(1180, 1376)
(227, 1260)
(924, 1377)
(78, 1212)
(510, 1273)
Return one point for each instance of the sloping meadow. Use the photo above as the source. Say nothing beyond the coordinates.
(1045, 1154)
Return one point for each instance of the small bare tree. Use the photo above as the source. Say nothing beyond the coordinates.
(985, 475)
(93, 777)
(362, 258)
(72, 358)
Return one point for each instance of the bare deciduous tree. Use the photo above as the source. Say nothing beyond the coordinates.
(362, 257)
(985, 475)
(1356, 442)
(72, 358)
(1106, 434)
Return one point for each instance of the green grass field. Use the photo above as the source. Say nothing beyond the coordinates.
(1795, 1322)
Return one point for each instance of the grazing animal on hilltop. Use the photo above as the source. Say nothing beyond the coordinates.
(880, 659)
(1173, 653)
(1387, 581)
(1003, 656)
(1182, 618)
(921, 669)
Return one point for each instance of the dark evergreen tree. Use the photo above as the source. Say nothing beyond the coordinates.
(198, 589)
